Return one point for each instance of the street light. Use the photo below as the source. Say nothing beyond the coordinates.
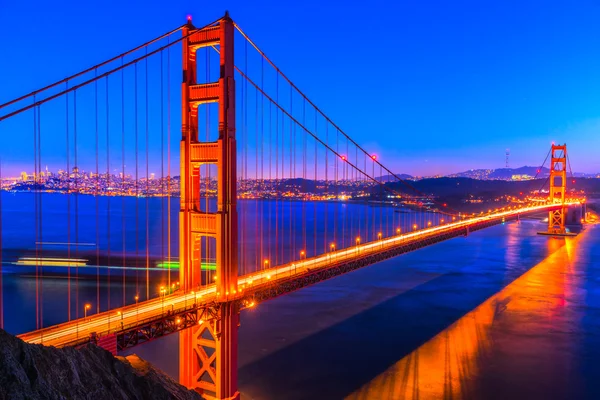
(85, 308)
(119, 313)
(398, 231)
(266, 263)
(429, 223)
(163, 291)
(414, 227)
(137, 309)
(302, 254)
(332, 246)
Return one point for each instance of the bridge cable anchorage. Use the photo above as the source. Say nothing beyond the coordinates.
(404, 182)
(91, 80)
(94, 68)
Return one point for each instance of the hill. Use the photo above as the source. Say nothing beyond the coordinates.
(30, 371)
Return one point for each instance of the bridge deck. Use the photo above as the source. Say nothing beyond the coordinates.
(260, 285)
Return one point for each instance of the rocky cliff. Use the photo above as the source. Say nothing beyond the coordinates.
(29, 371)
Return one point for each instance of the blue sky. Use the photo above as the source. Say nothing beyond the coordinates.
(431, 87)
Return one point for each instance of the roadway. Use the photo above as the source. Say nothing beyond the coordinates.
(138, 314)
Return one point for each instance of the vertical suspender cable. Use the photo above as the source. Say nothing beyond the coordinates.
(35, 219)
(304, 186)
(40, 222)
(97, 195)
(123, 184)
(76, 176)
(68, 178)
(137, 188)
(276, 174)
(162, 163)
(147, 188)
(326, 203)
(315, 251)
(108, 177)
(169, 160)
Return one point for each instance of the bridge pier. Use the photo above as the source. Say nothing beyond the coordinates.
(575, 215)
(208, 352)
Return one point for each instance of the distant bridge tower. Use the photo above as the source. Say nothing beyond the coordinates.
(507, 155)
(208, 352)
(558, 188)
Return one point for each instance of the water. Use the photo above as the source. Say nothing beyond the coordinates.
(504, 313)
(124, 240)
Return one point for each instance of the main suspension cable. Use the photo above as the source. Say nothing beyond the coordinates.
(327, 118)
(95, 67)
(105, 74)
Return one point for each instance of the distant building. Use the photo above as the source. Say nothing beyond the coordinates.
(523, 177)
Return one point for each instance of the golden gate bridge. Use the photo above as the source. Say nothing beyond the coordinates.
(248, 133)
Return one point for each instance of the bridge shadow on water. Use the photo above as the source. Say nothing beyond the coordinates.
(337, 361)
(475, 332)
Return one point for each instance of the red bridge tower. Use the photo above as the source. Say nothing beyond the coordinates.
(558, 188)
(208, 352)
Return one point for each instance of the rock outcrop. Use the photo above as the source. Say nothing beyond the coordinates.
(29, 371)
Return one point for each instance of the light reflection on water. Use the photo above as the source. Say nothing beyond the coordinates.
(508, 338)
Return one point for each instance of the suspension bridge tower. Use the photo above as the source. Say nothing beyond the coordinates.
(558, 189)
(208, 352)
